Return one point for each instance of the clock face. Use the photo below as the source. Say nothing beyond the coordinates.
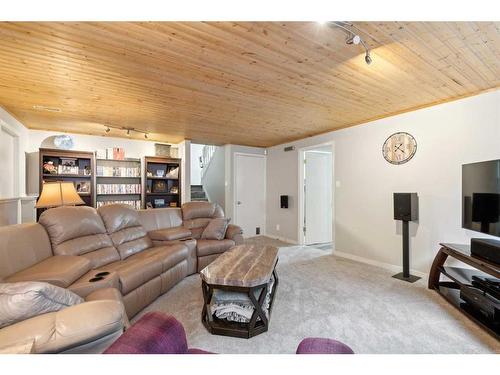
(399, 148)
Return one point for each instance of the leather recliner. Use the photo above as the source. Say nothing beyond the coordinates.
(141, 253)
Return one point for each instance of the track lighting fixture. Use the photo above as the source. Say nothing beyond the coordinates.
(128, 131)
(352, 37)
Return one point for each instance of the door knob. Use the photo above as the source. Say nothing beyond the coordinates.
(238, 203)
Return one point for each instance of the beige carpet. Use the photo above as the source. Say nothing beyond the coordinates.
(327, 296)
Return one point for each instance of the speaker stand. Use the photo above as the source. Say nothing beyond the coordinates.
(405, 275)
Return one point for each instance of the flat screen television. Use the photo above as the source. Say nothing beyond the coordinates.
(481, 197)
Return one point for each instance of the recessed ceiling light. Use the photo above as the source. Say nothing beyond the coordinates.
(45, 108)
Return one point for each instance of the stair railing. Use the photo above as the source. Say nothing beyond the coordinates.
(206, 157)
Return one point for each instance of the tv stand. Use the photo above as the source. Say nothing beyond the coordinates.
(460, 277)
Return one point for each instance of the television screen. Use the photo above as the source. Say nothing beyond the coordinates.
(481, 197)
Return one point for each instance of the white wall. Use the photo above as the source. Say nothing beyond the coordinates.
(213, 180)
(448, 136)
(15, 207)
(16, 129)
(196, 153)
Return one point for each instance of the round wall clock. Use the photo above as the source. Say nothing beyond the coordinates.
(399, 148)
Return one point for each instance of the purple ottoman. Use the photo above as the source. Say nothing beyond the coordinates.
(315, 345)
(154, 333)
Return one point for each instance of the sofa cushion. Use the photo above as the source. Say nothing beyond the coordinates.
(59, 270)
(170, 234)
(216, 229)
(194, 210)
(79, 231)
(160, 218)
(123, 225)
(209, 247)
(24, 300)
(132, 273)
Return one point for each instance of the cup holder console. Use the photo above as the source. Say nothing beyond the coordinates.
(97, 278)
(102, 274)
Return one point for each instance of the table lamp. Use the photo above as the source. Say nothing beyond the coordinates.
(55, 194)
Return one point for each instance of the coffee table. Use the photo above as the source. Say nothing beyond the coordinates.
(243, 269)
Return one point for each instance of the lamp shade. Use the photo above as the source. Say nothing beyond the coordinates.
(55, 194)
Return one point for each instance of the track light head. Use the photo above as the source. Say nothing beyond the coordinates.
(145, 135)
(107, 129)
(353, 39)
(368, 58)
(128, 132)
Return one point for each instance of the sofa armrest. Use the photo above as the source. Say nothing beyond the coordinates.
(58, 270)
(234, 233)
(109, 294)
(170, 234)
(75, 326)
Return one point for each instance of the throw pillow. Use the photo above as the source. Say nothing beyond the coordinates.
(24, 300)
(216, 229)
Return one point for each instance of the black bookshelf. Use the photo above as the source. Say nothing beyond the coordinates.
(68, 166)
(162, 187)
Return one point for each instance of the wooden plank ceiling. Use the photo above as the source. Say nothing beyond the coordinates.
(250, 83)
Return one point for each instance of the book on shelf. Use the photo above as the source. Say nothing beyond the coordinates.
(118, 188)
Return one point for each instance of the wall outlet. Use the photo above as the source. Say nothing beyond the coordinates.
(277, 227)
(257, 230)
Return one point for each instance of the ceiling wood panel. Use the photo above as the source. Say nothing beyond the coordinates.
(251, 83)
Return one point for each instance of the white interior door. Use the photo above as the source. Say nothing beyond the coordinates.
(318, 196)
(250, 193)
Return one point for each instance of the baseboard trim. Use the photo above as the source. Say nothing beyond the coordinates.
(387, 266)
(284, 239)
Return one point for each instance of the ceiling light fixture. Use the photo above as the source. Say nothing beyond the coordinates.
(352, 37)
(128, 131)
(368, 58)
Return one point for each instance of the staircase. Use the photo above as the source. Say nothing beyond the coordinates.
(198, 194)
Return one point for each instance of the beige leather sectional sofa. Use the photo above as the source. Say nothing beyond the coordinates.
(142, 254)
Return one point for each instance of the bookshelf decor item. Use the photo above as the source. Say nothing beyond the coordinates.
(162, 150)
(56, 165)
(162, 182)
(118, 180)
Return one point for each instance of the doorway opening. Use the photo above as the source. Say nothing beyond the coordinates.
(316, 196)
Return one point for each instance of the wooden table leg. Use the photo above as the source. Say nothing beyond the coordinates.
(434, 273)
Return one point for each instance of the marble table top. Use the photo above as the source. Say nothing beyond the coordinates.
(243, 265)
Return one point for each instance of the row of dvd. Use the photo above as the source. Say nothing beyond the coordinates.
(118, 188)
(109, 171)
